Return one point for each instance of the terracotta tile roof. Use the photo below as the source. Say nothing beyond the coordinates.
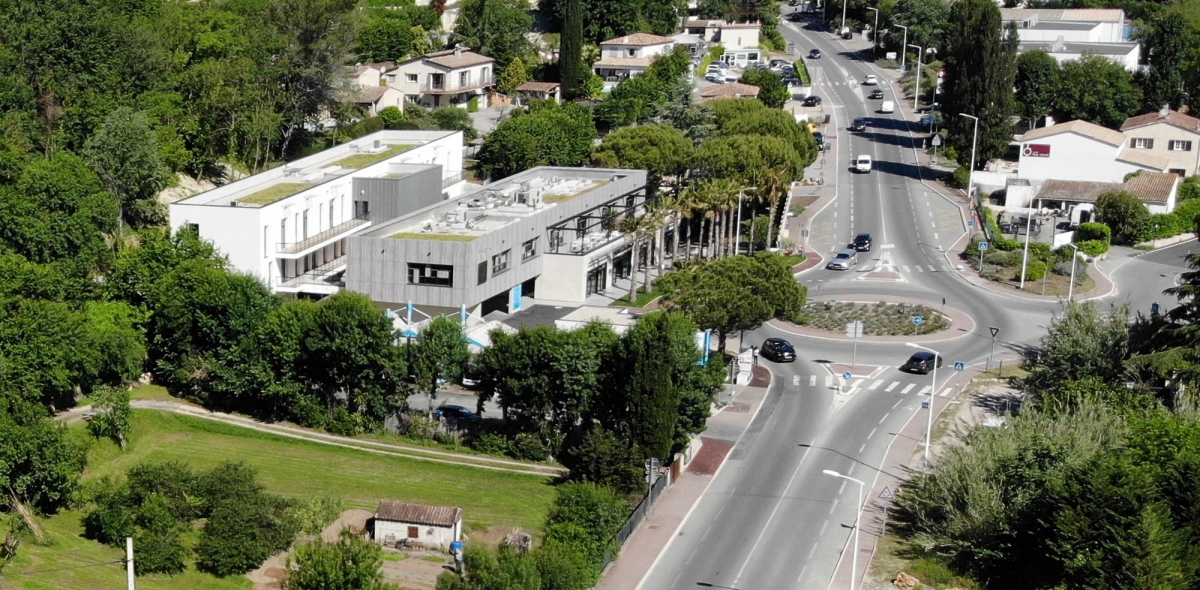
(1173, 118)
(392, 510)
(1145, 158)
(371, 94)
(638, 39)
(1083, 128)
(1076, 190)
(1154, 187)
(735, 90)
(538, 87)
(624, 62)
(381, 66)
(464, 59)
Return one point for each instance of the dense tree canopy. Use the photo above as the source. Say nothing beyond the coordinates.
(980, 55)
(661, 150)
(495, 28)
(1095, 89)
(1036, 74)
(1169, 46)
(1123, 213)
(772, 91)
(746, 158)
(549, 135)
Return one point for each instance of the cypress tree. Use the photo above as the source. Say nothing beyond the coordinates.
(651, 394)
(570, 51)
(981, 69)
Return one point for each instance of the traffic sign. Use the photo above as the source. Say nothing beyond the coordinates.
(924, 405)
(887, 494)
(995, 331)
(917, 320)
(936, 141)
(959, 366)
(854, 329)
(1154, 308)
(847, 375)
(982, 246)
(652, 466)
(970, 223)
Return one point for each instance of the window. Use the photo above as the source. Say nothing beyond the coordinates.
(500, 262)
(361, 208)
(391, 78)
(194, 228)
(413, 533)
(438, 275)
(529, 249)
(304, 234)
(464, 79)
(411, 78)
(1141, 143)
(266, 229)
(331, 213)
(283, 230)
(632, 52)
(1180, 172)
(555, 239)
(1178, 145)
(482, 273)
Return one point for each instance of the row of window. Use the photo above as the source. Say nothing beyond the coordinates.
(1173, 145)
(300, 223)
(442, 275)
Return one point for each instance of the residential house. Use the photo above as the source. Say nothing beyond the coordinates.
(734, 90)
(289, 226)
(539, 91)
(444, 78)
(740, 40)
(376, 98)
(1156, 190)
(624, 57)
(1169, 133)
(368, 75)
(432, 526)
(695, 45)
(1079, 150)
(1068, 34)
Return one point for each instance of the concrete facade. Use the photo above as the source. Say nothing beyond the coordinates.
(1069, 34)
(1078, 150)
(1171, 134)
(443, 78)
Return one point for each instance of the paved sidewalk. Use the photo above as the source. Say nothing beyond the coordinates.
(643, 548)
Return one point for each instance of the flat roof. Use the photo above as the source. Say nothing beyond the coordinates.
(295, 177)
(1079, 48)
(496, 205)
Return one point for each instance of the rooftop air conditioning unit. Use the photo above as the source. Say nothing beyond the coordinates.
(378, 144)
(354, 147)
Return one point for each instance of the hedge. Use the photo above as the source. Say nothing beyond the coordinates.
(1093, 247)
(1093, 231)
(802, 72)
(1165, 225)
(998, 240)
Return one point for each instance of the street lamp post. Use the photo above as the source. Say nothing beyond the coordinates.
(875, 33)
(737, 240)
(917, 93)
(1028, 230)
(845, 3)
(932, 391)
(903, 46)
(1074, 260)
(974, 139)
(857, 520)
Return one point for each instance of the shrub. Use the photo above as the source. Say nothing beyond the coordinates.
(1093, 247)
(998, 257)
(473, 105)
(1034, 271)
(314, 514)
(530, 447)
(961, 177)
(391, 117)
(603, 459)
(159, 552)
(491, 443)
(242, 535)
(586, 515)
(1093, 231)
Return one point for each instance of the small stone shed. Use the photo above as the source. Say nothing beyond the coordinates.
(431, 526)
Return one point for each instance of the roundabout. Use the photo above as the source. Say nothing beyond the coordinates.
(942, 323)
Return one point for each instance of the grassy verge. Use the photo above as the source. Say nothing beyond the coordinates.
(643, 298)
(879, 319)
(1009, 370)
(1052, 284)
(794, 259)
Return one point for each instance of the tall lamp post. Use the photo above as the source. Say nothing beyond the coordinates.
(857, 519)
(845, 3)
(1074, 260)
(875, 33)
(932, 391)
(917, 96)
(737, 240)
(974, 139)
(903, 46)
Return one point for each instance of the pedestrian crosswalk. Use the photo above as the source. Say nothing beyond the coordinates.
(923, 268)
(867, 384)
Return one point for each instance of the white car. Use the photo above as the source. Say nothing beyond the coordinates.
(871, 80)
(862, 163)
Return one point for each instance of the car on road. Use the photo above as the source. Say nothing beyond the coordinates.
(876, 94)
(929, 108)
(921, 362)
(814, 54)
(870, 80)
(862, 164)
(715, 78)
(795, 17)
(859, 124)
(778, 350)
(887, 106)
(844, 260)
(862, 242)
(812, 101)
(457, 414)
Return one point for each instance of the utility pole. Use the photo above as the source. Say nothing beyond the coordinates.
(129, 562)
(903, 47)
(875, 34)
(917, 92)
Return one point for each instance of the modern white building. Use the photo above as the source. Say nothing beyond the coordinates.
(1079, 150)
(624, 57)
(288, 226)
(740, 40)
(444, 78)
(1069, 34)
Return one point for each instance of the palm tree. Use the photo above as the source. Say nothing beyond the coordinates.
(688, 204)
(656, 217)
(633, 226)
(774, 187)
(753, 199)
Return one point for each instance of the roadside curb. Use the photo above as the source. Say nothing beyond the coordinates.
(959, 320)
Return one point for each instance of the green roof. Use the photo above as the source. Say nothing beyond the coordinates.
(559, 198)
(274, 193)
(363, 160)
(435, 237)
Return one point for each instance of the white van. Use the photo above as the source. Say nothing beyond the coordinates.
(887, 106)
(863, 163)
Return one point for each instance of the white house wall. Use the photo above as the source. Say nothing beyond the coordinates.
(1075, 157)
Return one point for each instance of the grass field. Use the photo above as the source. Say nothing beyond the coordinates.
(286, 466)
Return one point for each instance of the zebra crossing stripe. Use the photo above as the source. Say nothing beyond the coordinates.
(856, 383)
(908, 388)
(875, 384)
(925, 390)
(933, 268)
(905, 268)
(829, 381)
(892, 386)
(946, 392)
(812, 380)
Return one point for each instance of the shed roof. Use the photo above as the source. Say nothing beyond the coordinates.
(1153, 187)
(452, 58)
(445, 516)
(1084, 128)
(1172, 118)
(1149, 187)
(624, 62)
(638, 39)
(538, 87)
(1144, 158)
(372, 94)
(734, 90)
(1111, 15)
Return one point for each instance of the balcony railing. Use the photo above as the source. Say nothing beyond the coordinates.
(474, 83)
(321, 275)
(333, 232)
(452, 180)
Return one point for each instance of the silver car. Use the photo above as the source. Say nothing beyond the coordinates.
(844, 260)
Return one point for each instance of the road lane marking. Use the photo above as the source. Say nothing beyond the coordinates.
(919, 269)
(935, 235)
(771, 517)
(875, 384)
(812, 380)
(885, 417)
(892, 386)
(860, 449)
(856, 383)
(822, 530)
(908, 388)
(932, 268)
(829, 381)
(925, 390)
(946, 392)
(905, 268)
(874, 429)
(831, 509)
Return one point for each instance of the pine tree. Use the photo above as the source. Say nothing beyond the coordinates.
(1168, 46)
(570, 54)
(981, 69)
(512, 77)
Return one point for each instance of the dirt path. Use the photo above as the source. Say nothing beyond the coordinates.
(397, 450)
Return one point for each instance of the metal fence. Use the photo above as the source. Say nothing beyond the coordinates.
(639, 514)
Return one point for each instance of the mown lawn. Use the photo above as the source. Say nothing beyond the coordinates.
(286, 466)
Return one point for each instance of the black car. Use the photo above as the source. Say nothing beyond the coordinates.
(930, 108)
(814, 54)
(819, 138)
(457, 414)
(859, 124)
(812, 101)
(862, 242)
(795, 16)
(877, 93)
(778, 350)
(921, 362)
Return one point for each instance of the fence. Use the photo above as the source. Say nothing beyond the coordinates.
(639, 514)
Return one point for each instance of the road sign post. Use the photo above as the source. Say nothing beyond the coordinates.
(917, 322)
(854, 330)
(652, 465)
(982, 248)
(959, 367)
(995, 332)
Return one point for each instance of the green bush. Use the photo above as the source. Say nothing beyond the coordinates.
(241, 535)
(948, 153)
(801, 70)
(1189, 189)
(391, 117)
(1093, 247)
(530, 447)
(473, 105)
(1093, 231)
(961, 177)
(1034, 271)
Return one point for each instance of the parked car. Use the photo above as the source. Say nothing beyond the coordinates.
(862, 164)
(795, 17)
(819, 138)
(847, 34)
(862, 242)
(871, 80)
(921, 362)
(814, 54)
(457, 414)
(844, 260)
(778, 350)
(877, 93)
(929, 108)
(780, 63)
(859, 124)
(715, 78)
(812, 101)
